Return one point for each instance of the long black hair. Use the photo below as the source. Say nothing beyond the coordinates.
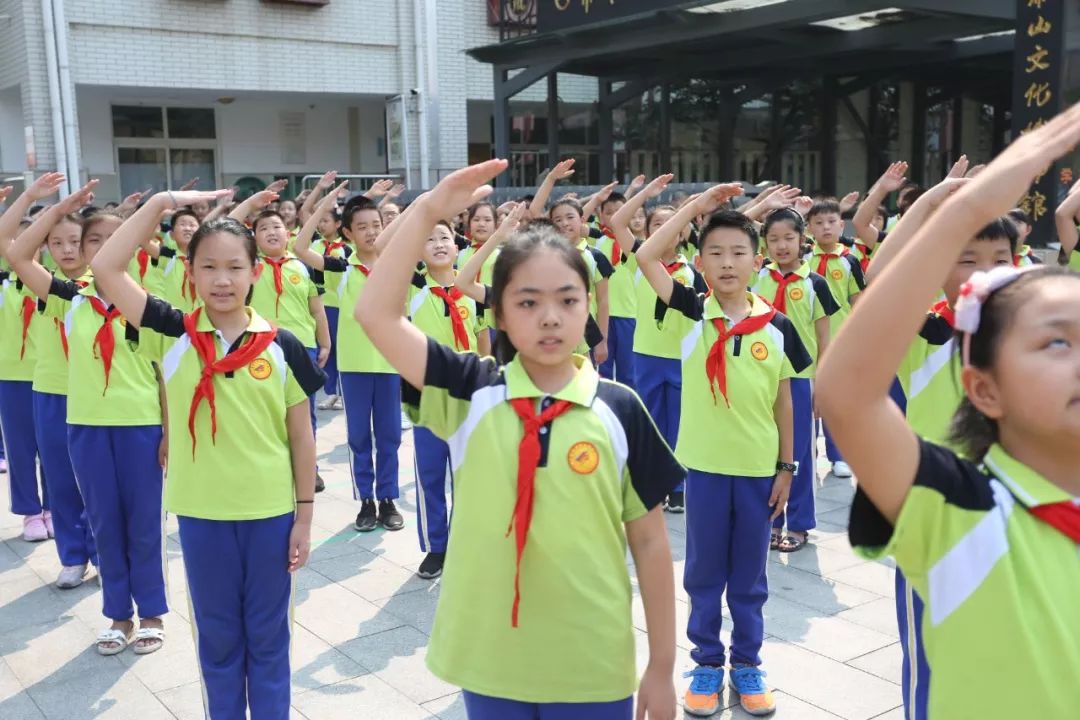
(540, 234)
(229, 227)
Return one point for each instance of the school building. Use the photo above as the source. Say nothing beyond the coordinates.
(820, 93)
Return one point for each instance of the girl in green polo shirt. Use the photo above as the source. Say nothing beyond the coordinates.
(543, 442)
(241, 454)
(990, 547)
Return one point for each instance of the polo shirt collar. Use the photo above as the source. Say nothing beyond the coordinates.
(842, 249)
(583, 244)
(256, 323)
(354, 259)
(1026, 485)
(803, 271)
(581, 390)
(714, 311)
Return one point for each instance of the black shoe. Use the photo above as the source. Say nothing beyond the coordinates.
(432, 566)
(676, 503)
(365, 521)
(389, 517)
(319, 484)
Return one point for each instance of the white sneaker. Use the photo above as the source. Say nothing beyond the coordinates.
(339, 404)
(841, 469)
(34, 529)
(328, 403)
(71, 576)
(406, 423)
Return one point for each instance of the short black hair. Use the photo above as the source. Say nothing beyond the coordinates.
(1001, 228)
(182, 212)
(823, 207)
(731, 219)
(615, 197)
(360, 203)
(1019, 215)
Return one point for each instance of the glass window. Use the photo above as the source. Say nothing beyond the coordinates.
(192, 163)
(192, 123)
(141, 168)
(133, 121)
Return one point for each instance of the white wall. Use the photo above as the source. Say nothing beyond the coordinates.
(12, 137)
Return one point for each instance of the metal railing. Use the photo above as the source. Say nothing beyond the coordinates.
(365, 181)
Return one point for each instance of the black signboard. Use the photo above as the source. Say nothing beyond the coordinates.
(1038, 95)
(563, 14)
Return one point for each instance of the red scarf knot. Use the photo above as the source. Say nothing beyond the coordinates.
(279, 286)
(28, 307)
(528, 461)
(782, 282)
(105, 339)
(716, 362)
(865, 251)
(942, 308)
(461, 335)
(823, 263)
(205, 345)
(1064, 516)
(616, 249)
(143, 258)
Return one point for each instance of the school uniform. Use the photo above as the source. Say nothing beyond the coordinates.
(114, 431)
(371, 391)
(843, 272)
(929, 391)
(658, 334)
(175, 282)
(1026, 257)
(487, 273)
(18, 316)
(991, 550)
(728, 486)
(543, 597)
(282, 292)
(622, 309)
(453, 320)
(600, 269)
(328, 283)
(74, 540)
(804, 298)
(232, 490)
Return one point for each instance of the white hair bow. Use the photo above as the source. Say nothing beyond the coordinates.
(973, 293)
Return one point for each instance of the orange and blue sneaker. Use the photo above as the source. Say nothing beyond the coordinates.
(755, 698)
(703, 697)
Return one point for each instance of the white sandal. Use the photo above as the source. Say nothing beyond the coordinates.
(154, 634)
(112, 641)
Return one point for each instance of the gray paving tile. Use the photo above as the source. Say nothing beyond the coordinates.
(879, 615)
(370, 576)
(828, 636)
(397, 657)
(337, 615)
(316, 663)
(413, 608)
(885, 662)
(365, 697)
(14, 701)
(875, 577)
(175, 664)
(822, 594)
(787, 708)
(451, 707)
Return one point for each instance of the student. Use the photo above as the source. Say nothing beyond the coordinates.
(330, 243)
(569, 218)
(241, 455)
(658, 333)
(114, 438)
(289, 213)
(370, 387)
(480, 224)
(18, 359)
(285, 293)
(871, 219)
(843, 271)
(72, 244)
(736, 439)
(928, 388)
(989, 543)
(445, 314)
(622, 301)
(1066, 220)
(804, 298)
(1023, 255)
(509, 605)
(174, 282)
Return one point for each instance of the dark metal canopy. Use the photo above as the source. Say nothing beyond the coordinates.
(745, 39)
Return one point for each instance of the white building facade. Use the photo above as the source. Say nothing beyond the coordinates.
(149, 93)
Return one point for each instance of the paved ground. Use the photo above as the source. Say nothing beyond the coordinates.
(363, 618)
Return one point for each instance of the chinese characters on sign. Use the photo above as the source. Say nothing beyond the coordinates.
(563, 14)
(1037, 96)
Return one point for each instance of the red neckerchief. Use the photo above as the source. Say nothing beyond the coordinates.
(28, 307)
(461, 336)
(528, 461)
(279, 286)
(865, 261)
(823, 264)
(942, 308)
(1063, 515)
(329, 247)
(616, 249)
(782, 281)
(105, 340)
(62, 329)
(716, 362)
(674, 267)
(205, 345)
(143, 258)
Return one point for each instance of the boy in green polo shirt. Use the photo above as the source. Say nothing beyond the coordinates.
(843, 272)
(622, 300)
(735, 438)
(804, 297)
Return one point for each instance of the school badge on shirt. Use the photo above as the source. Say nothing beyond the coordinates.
(759, 351)
(463, 312)
(259, 368)
(294, 279)
(796, 294)
(583, 458)
(837, 274)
